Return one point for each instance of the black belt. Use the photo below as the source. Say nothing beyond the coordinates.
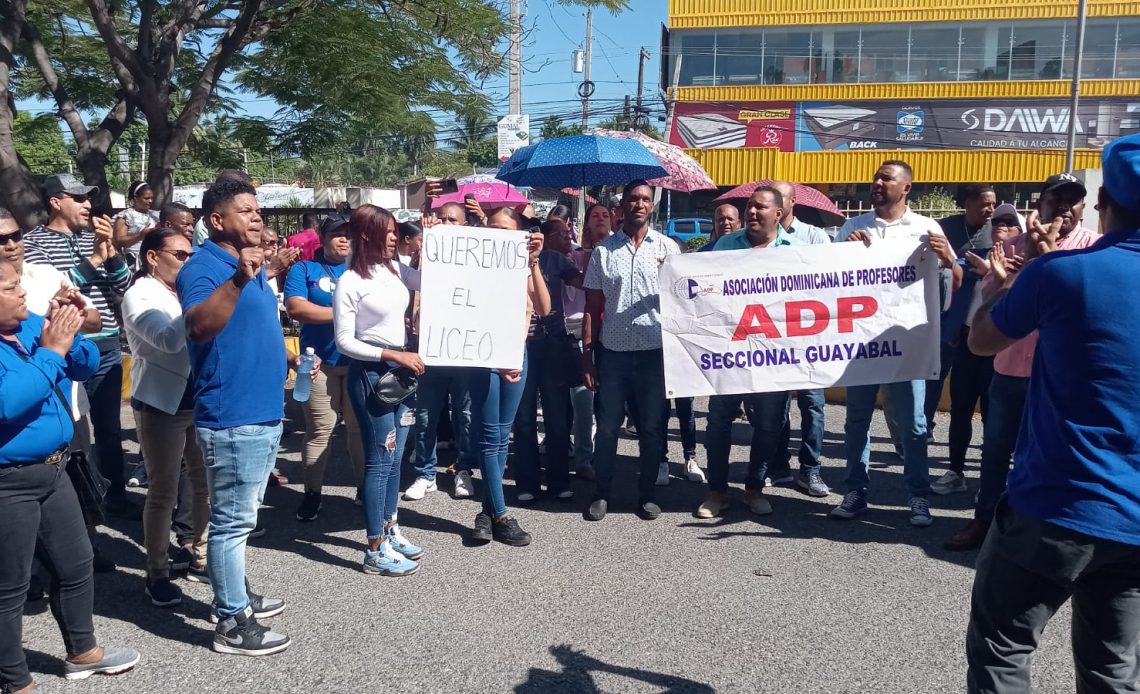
(56, 458)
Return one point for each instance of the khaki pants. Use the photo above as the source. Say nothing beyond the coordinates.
(328, 399)
(165, 440)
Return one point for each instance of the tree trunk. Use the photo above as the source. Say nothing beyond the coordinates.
(165, 146)
(92, 163)
(19, 191)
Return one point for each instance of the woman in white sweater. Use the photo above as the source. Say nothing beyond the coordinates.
(369, 305)
(164, 406)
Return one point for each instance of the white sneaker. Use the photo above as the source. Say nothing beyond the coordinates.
(694, 471)
(420, 487)
(663, 475)
(949, 483)
(464, 487)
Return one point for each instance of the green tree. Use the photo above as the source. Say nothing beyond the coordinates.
(619, 123)
(39, 142)
(484, 153)
(552, 127)
(446, 163)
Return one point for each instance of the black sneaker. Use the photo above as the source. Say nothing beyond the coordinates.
(163, 593)
(507, 531)
(242, 635)
(258, 530)
(263, 607)
(100, 564)
(482, 531)
(310, 507)
(181, 559)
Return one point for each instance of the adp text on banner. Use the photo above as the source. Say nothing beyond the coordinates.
(799, 317)
(473, 297)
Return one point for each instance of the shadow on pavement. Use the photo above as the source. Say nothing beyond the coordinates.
(578, 670)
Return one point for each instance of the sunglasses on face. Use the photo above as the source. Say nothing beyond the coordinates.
(181, 256)
(77, 198)
(1008, 223)
(15, 237)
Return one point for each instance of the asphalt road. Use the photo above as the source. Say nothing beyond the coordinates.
(793, 602)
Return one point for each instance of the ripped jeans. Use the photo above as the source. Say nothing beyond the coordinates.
(383, 430)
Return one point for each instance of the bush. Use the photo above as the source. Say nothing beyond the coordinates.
(697, 242)
(938, 203)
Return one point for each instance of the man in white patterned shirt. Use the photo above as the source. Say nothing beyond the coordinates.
(621, 355)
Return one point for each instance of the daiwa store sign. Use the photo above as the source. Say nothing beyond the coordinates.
(962, 124)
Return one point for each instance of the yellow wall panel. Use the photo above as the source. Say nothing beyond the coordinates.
(732, 167)
(702, 14)
(909, 90)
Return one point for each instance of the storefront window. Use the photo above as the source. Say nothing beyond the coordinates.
(885, 54)
(697, 68)
(846, 56)
(972, 64)
(738, 56)
(1128, 49)
(933, 53)
(792, 57)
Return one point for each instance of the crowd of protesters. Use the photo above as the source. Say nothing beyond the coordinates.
(1048, 358)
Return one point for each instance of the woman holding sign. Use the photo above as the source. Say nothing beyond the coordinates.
(369, 304)
(495, 401)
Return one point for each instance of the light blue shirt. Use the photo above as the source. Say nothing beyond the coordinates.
(738, 241)
(808, 233)
(627, 277)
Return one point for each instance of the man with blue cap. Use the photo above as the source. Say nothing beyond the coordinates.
(1069, 525)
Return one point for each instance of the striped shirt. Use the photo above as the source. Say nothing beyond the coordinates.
(70, 253)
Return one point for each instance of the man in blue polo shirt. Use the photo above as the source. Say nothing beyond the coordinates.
(765, 411)
(238, 368)
(1069, 525)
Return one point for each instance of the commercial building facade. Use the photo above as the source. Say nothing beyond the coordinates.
(821, 91)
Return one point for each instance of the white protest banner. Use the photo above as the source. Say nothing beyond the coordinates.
(799, 317)
(473, 297)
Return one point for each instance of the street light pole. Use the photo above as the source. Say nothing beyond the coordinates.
(1076, 85)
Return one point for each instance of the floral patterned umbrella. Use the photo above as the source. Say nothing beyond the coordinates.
(685, 174)
(812, 206)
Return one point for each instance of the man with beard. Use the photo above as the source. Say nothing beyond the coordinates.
(79, 245)
(1062, 201)
(892, 218)
(621, 356)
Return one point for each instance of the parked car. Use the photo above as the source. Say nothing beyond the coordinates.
(682, 230)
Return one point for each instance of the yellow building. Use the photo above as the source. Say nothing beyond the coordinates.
(821, 91)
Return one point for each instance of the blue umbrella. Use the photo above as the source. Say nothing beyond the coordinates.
(580, 160)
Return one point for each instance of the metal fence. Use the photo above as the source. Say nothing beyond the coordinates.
(933, 212)
(286, 221)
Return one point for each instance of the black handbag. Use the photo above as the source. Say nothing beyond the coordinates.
(394, 386)
(90, 487)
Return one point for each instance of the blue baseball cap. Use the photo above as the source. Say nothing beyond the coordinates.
(1121, 163)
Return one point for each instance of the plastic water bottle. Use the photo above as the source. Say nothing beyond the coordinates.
(304, 383)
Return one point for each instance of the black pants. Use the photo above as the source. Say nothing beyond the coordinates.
(1026, 570)
(548, 362)
(38, 503)
(970, 383)
(105, 389)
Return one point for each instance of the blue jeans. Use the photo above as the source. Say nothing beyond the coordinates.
(238, 461)
(384, 430)
(637, 377)
(811, 404)
(1001, 426)
(105, 391)
(494, 403)
(910, 420)
(765, 412)
(547, 377)
(436, 384)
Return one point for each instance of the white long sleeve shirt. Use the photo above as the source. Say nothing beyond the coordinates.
(368, 314)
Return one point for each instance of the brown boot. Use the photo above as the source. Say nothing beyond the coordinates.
(714, 504)
(33, 687)
(969, 537)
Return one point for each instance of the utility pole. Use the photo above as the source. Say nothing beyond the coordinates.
(670, 106)
(639, 113)
(515, 60)
(626, 121)
(585, 90)
(587, 87)
(1076, 86)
